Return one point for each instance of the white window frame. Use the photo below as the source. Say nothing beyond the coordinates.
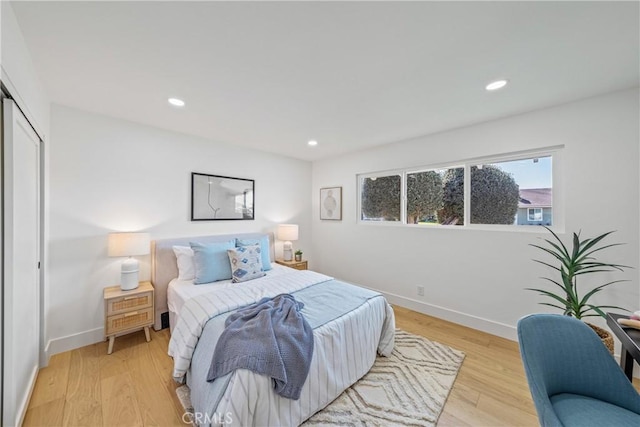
(558, 212)
(534, 214)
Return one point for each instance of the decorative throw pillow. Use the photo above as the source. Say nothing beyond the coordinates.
(184, 258)
(264, 249)
(246, 263)
(211, 262)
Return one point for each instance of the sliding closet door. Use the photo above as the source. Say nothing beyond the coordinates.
(1, 274)
(21, 335)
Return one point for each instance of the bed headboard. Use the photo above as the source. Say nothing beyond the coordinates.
(164, 267)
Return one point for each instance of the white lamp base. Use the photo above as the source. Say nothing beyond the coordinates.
(287, 251)
(129, 274)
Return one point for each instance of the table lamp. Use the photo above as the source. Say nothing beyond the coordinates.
(129, 245)
(288, 232)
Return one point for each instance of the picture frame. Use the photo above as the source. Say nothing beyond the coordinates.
(221, 198)
(331, 203)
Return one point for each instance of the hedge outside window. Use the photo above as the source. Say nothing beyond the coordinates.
(506, 192)
(494, 195)
(435, 197)
(381, 198)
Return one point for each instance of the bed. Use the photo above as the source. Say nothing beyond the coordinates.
(350, 326)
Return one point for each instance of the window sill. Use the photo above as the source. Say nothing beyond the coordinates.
(474, 227)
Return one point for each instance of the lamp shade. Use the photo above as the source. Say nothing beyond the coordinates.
(128, 244)
(288, 232)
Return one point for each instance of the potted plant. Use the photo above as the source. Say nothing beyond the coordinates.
(298, 255)
(579, 261)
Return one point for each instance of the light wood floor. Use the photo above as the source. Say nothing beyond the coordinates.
(133, 386)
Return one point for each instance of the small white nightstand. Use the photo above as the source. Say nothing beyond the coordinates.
(127, 311)
(298, 265)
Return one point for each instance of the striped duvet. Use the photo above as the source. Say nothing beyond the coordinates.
(350, 325)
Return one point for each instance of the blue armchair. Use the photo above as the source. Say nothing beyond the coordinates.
(573, 379)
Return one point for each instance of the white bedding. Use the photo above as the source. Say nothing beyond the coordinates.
(345, 349)
(180, 291)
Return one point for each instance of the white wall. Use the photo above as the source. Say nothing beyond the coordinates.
(19, 74)
(113, 175)
(477, 277)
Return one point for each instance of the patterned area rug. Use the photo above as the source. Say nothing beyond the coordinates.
(408, 388)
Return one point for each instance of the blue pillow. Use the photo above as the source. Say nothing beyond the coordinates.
(264, 249)
(211, 261)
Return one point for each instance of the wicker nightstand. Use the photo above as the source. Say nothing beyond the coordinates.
(127, 311)
(298, 265)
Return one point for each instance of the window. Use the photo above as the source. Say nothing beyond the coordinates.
(535, 214)
(505, 191)
(244, 203)
(435, 197)
(381, 198)
(502, 191)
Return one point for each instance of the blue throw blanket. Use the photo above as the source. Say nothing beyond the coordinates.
(270, 337)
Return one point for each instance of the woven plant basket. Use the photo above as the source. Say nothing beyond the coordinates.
(604, 335)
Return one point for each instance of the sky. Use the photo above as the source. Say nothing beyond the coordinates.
(529, 174)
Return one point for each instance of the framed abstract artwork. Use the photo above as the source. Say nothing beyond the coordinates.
(216, 198)
(331, 203)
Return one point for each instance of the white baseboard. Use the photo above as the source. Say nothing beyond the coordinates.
(71, 342)
(474, 322)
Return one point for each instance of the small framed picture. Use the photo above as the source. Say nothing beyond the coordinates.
(331, 203)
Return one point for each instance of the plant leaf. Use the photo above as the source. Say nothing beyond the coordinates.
(589, 243)
(561, 253)
(576, 246)
(551, 294)
(611, 306)
(555, 283)
(588, 295)
(547, 264)
(558, 256)
(553, 305)
(581, 272)
(602, 313)
(564, 250)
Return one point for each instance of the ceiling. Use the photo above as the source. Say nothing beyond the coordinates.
(273, 75)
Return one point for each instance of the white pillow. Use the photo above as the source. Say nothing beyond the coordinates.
(246, 263)
(186, 268)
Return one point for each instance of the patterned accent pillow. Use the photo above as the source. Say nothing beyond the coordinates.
(246, 263)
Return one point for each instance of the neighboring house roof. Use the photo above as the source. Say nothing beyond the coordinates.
(535, 198)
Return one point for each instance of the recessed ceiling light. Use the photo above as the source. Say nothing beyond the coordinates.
(176, 102)
(312, 143)
(498, 84)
